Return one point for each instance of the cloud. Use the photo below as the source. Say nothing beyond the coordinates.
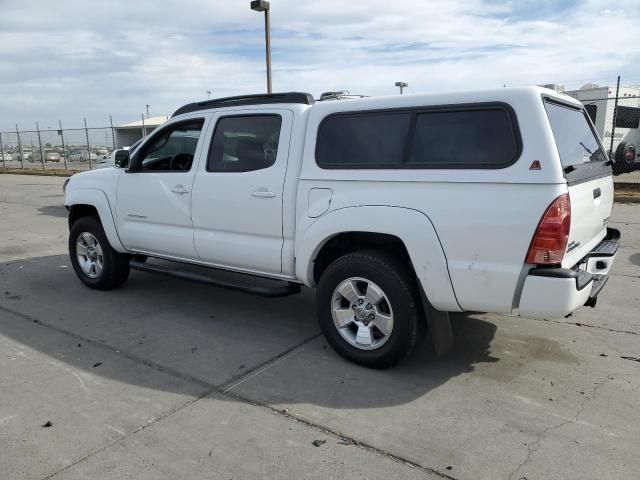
(74, 59)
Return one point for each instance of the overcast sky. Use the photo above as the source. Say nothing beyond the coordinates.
(68, 59)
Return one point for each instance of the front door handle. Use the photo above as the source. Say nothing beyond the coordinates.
(263, 194)
(180, 189)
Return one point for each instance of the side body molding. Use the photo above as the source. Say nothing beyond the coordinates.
(98, 199)
(413, 227)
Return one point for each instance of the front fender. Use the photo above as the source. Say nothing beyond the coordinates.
(415, 230)
(97, 199)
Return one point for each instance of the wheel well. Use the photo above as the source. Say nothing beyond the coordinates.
(351, 241)
(79, 211)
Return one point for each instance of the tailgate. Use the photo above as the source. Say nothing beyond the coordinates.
(591, 204)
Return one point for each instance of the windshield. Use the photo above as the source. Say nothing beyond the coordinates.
(576, 141)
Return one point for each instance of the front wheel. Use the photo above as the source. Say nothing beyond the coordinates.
(96, 264)
(369, 308)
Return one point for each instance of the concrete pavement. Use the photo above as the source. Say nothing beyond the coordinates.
(169, 379)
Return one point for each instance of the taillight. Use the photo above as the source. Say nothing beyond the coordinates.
(550, 240)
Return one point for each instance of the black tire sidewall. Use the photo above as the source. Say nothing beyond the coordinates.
(93, 226)
(399, 287)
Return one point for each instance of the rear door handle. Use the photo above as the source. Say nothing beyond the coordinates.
(597, 192)
(180, 189)
(263, 194)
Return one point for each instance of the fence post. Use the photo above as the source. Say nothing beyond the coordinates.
(144, 131)
(86, 131)
(4, 165)
(613, 124)
(113, 135)
(20, 148)
(64, 150)
(40, 144)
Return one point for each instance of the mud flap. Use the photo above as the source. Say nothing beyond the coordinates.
(439, 325)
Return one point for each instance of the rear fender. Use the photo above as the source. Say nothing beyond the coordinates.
(415, 230)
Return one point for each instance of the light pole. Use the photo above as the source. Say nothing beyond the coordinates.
(402, 86)
(263, 6)
(208, 93)
(148, 110)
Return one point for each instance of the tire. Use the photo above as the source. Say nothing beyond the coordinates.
(113, 269)
(371, 273)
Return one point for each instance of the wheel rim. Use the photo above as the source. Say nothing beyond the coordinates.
(362, 313)
(89, 254)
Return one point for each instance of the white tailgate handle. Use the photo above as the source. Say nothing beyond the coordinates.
(263, 194)
(180, 189)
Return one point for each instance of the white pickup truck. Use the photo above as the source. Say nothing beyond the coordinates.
(397, 209)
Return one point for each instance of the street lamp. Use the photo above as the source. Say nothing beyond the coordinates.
(263, 6)
(208, 93)
(147, 105)
(402, 86)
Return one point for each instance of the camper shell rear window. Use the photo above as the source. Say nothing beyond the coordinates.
(581, 153)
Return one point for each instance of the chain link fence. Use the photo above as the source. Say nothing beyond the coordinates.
(70, 149)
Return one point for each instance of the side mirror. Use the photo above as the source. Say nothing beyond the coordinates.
(121, 158)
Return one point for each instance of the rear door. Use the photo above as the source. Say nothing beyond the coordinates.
(238, 192)
(588, 175)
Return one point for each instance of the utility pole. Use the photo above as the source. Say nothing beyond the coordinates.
(148, 110)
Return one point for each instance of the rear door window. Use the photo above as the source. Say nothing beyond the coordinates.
(244, 143)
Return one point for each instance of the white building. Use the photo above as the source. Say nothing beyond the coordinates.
(129, 133)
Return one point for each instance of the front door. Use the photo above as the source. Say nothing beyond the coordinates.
(237, 195)
(154, 196)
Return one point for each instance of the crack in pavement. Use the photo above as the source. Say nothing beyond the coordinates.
(533, 447)
(223, 389)
(581, 324)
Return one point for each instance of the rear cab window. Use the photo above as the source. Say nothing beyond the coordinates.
(581, 153)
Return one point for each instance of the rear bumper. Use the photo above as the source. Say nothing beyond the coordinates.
(556, 292)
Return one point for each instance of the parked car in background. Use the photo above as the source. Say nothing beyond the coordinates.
(49, 156)
(7, 157)
(81, 155)
(396, 209)
(26, 155)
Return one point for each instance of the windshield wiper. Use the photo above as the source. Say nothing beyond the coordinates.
(584, 146)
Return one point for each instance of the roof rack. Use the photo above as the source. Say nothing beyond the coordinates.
(242, 100)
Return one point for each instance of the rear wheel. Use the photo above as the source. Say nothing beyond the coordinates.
(369, 308)
(96, 264)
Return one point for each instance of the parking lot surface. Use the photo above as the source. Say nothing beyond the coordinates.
(164, 379)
